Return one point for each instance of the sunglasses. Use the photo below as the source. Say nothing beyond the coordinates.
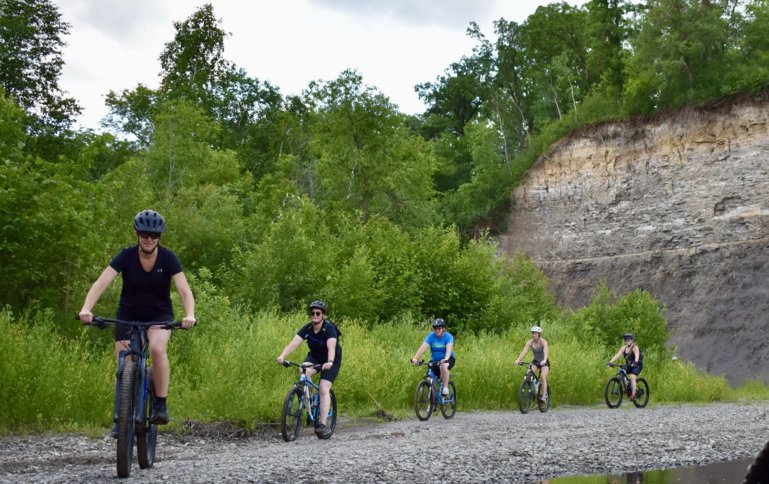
(316, 313)
(149, 235)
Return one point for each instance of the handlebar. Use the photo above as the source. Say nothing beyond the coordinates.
(102, 323)
(303, 366)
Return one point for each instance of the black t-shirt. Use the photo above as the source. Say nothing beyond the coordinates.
(317, 341)
(146, 296)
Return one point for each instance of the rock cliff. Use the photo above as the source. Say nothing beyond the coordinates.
(676, 204)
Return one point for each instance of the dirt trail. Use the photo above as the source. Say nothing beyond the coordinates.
(473, 447)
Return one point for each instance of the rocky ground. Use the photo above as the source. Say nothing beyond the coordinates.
(473, 447)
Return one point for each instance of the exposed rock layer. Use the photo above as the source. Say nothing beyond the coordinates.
(677, 205)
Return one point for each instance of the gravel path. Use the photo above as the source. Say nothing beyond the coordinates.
(473, 447)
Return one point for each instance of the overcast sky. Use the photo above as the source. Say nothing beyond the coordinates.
(394, 44)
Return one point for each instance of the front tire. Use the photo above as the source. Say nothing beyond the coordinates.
(129, 381)
(423, 400)
(641, 393)
(524, 396)
(449, 407)
(147, 439)
(613, 392)
(291, 417)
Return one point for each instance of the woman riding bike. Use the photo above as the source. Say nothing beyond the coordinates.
(322, 337)
(441, 345)
(540, 349)
(147, 269)
(633, 359)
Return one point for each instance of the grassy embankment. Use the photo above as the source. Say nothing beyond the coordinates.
(224, 370)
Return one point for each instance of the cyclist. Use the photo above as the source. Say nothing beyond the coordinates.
(633, 359)
(540, 349)
(441, 344)
(147, 270)
(322, 338)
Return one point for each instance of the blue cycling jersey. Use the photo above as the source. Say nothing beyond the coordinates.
(438, 345)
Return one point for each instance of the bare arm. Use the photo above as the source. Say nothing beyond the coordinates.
(619, 353)
(290, 347)
(523, 353)
(422, 348)
(331, 346)
(188, 300)
(546, 349)
(97, 289)
(449, 349)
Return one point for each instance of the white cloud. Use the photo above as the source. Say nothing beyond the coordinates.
(394, 44)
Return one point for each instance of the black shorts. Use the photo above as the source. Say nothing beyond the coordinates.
(330, 374)
(121, 332)
(635, 370)
(540, 365)
(436, 365)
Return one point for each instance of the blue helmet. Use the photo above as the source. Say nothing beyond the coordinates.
(149, 221)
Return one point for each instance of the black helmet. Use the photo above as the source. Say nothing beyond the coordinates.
(439, 323)
(318, 304)
(149, 221)
(628, 336)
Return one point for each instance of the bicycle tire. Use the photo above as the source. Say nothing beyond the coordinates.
(147, 439)
(544, 406)
(641, 393)
(291, 417)
(613, 392)
(524, 396)
(125, 425)
(448, 409)
(423, 400)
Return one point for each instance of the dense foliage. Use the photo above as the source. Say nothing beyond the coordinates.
(272, 201)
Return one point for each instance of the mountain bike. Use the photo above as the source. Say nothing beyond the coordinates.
(429, 394)
(619, 385)
(531, 389)
(134, 396)
(304, 397)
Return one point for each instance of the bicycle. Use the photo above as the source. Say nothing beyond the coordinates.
(531, 388)
(619, 385)
(134, 396)
(304, 397)
(429, 395)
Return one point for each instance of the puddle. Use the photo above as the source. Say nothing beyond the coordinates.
(722, 472)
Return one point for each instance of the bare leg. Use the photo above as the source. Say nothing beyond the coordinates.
(161, 372)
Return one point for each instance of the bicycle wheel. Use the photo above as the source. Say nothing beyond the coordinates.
(449, 403)
(524, 396)
(641, 393)
(291, 418)
(147, 438)
(129, 381)
(423, 400)
(613, 392)
(544, 406)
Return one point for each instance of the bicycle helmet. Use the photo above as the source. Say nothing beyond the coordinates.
(318, 304)
(149, 221)
(536, 329)
(439, 323)
(628, 336)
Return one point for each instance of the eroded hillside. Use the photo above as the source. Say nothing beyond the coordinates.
(677, 205)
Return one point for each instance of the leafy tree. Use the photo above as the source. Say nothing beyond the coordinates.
(680, 54)
(367, 160)
(31, 39)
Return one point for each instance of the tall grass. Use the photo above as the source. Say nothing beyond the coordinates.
(224, 370)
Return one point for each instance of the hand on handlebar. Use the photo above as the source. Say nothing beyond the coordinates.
(188, 322)
(414, 361)
(280, 359)
(86, 317)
